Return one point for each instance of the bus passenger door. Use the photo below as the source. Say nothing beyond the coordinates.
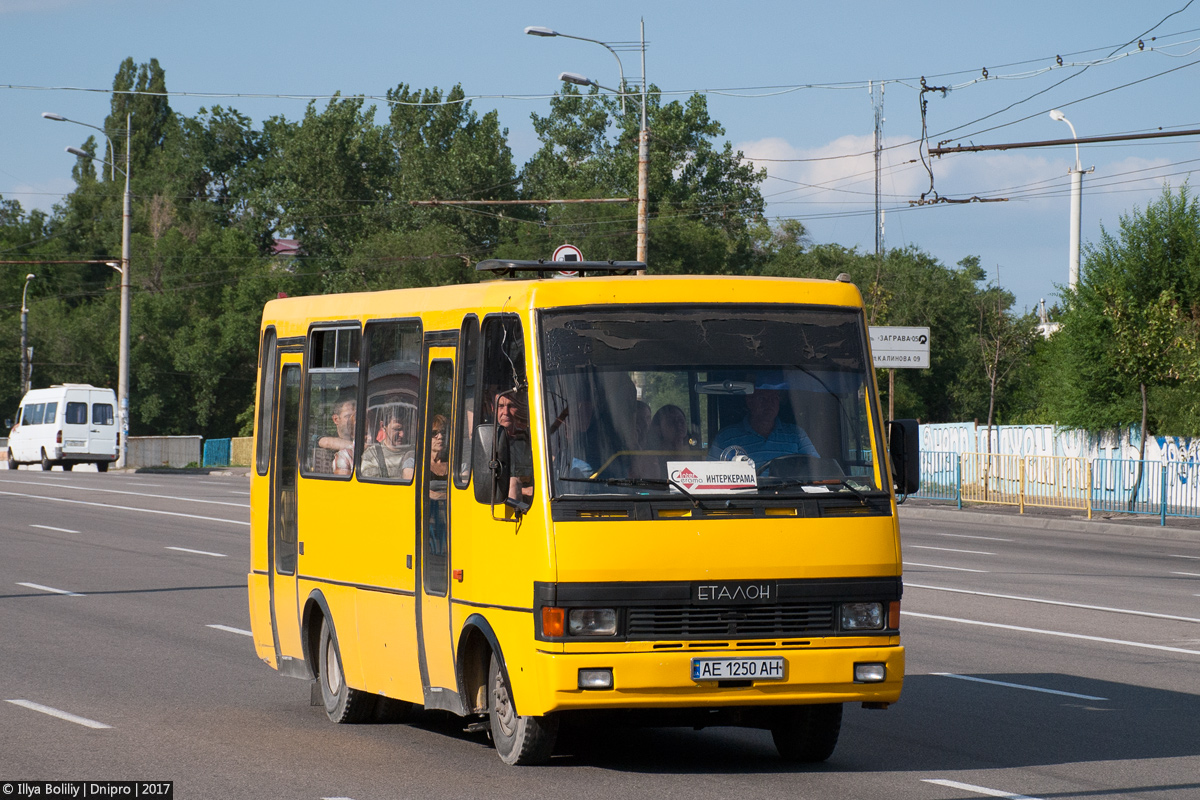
(285, 615)
(433, 607)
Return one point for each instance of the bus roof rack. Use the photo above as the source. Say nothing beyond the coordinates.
(510, 267)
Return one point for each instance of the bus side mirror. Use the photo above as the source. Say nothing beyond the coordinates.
(904, 444)
(491, 464)
(8, 423)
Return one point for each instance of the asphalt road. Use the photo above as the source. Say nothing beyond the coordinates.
(1041, 663)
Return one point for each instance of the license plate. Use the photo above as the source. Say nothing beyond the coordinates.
(737, 669)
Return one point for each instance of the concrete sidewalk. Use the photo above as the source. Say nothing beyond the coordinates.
(1140, 525)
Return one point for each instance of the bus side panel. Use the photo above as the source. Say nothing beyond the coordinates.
(500, 560)
(388, 637)
(362, 534)
(260, 616)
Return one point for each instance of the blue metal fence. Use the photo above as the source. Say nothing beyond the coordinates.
(1163, 489)
(216, 453)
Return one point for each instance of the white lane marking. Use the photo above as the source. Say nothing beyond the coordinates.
(54, 712)
(245, 493)
(967, 787)
(939, 566)
(968, 536)
(151, 485)
(125, 508)
(39, 587)
(197, 552)
(52, 528)
(1063, 634)
(230, 630)
(1188, 574)
(1197, 558)
(1017, 686)
(950, 550)
(1052, 602)
(139, 494)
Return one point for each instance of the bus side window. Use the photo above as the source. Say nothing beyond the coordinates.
(333, 374)
(468, 347)
(505, 400)
(393, 354)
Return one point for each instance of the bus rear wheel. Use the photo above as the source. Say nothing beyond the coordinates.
(807, 734)
(102, 466)
(342, 704)
(519, 740)
(46, 464)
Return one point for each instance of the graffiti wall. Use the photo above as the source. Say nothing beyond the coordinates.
(1048, 440)
(1167, 482)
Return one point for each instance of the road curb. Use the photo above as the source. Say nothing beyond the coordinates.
(1147, 528)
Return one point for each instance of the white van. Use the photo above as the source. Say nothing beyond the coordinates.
(67, 424)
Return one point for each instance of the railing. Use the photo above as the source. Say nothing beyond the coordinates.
(1164, 489)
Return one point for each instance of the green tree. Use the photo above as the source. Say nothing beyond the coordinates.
(704, 200)
(1129, 328)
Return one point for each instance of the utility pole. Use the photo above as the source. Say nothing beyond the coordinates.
(643, 162)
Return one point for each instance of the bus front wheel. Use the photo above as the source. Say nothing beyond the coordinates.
(342, 704)
(519, 740)
(807, 734)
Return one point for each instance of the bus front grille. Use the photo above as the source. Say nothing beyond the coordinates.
(686, 622)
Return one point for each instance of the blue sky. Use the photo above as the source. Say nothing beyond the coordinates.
(788, 80)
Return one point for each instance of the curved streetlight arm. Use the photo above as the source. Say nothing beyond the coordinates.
(537, 30)
(25, 292)
(112, 149)
(75, 151)
(1058, 116)
(582, 80)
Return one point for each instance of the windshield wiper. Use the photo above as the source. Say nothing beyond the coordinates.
(789, 484)
(645, 483)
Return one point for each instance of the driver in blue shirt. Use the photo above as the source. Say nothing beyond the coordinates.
(761, 434)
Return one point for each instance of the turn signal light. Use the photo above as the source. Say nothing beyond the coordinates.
(553, 621)
(894, 615)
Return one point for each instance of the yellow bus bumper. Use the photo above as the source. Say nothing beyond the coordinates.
(663, 679)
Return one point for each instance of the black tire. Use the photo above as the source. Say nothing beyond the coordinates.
(101, 466)
(67, 465)
(807, 734)
(46, 463)
(518, 740)
(342, 704)
(12, 462)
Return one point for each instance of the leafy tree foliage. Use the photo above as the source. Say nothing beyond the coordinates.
(1128, 346)
(213, 194)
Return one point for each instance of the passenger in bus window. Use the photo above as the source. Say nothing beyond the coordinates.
(391, 457)
(510, 415)
(761, 434)
(439, 454)
(439, 469)
(669, 431)
(344, 413)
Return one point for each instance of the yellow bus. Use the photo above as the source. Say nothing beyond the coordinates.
(666, 499)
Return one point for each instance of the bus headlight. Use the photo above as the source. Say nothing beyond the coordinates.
(592, 622)
(862, 616)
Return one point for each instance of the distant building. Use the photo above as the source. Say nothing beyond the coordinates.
(286, 247)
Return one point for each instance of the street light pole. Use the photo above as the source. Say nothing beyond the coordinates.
(1076, 203)
(123, 355)
(643, 131)
(26, 372)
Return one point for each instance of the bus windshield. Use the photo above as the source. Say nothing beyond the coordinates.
(654, 401)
